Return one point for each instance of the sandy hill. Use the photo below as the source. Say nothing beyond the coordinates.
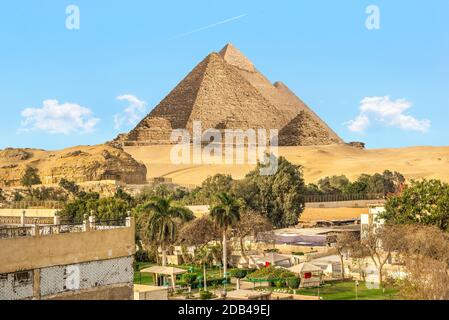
(318, 162)
(226, 91)
(82, 163)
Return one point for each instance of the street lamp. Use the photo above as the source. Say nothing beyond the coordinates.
(356, 290)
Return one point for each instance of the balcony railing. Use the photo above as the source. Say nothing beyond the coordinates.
(33, 204)
(109, 224)
(16, 232)
(8, 232)
(60, 229)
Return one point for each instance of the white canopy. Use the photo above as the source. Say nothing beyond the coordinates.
(304, 267)
(168, 271)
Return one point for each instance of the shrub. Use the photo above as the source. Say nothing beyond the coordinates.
(30, 177)
(181, 283)
(213, 282)
(189, 278)
(271, 251)
(279, 284)
(240, 273)
(271, 273)
(293, 283)
(206, 295)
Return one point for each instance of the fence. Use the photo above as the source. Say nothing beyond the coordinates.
(60, 229)
(16, 232)
(109, 224)
(33, 204)
(8, 232)
(343, 197)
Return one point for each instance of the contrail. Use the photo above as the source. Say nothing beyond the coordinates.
(209, 26)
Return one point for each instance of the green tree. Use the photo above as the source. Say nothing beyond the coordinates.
(334, 184)
(209, 188)
(104, 209)
(161, 220)
(312, 189)
(30, 177)
(239, 274)
(121, 194)
(424, 202)
(162, 191)
(225, 214)
(280, 197)
(70, 186)
(251, 224)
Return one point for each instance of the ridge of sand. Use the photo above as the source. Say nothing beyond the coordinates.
(318, 162)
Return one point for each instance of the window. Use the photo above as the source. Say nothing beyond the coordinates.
(22, 278)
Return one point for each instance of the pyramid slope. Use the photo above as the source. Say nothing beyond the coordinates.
(234, 57)
(226, 100)
(293, 100)
(173, 112)
(213, 93)
(226, 91)
(278, 94)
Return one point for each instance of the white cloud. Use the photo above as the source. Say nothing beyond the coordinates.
(63, 118)
(388, 112)
(359, 124)
(132, 114)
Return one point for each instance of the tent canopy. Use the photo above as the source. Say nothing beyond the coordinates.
(270, 257)
(304, 267)
(168, 271)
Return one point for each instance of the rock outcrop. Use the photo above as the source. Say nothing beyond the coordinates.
(226, 91)
(79, 164)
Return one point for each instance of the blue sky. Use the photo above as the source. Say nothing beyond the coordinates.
(140, 50)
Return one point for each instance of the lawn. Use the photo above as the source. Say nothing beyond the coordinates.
(147, 278)
(346, 291)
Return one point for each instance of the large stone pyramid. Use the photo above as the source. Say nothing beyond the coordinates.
(225, 91)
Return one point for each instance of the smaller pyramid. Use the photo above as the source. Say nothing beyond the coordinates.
(305, 130)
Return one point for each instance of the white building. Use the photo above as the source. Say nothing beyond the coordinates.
(371, 220)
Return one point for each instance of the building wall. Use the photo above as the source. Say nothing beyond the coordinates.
(64, 249)
(94, 264)
(108, 279)
(143, 292)
(12, 288)
(113, 292)
(87, 275)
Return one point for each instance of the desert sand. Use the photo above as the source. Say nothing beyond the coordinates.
(317, 161)
(326, 214)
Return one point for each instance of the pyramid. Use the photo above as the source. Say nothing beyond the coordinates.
(226, 91)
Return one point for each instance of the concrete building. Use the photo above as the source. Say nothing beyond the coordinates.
(88, 261)
(371, 220)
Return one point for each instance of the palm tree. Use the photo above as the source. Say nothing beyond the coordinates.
(225, 214)
(161, 220)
